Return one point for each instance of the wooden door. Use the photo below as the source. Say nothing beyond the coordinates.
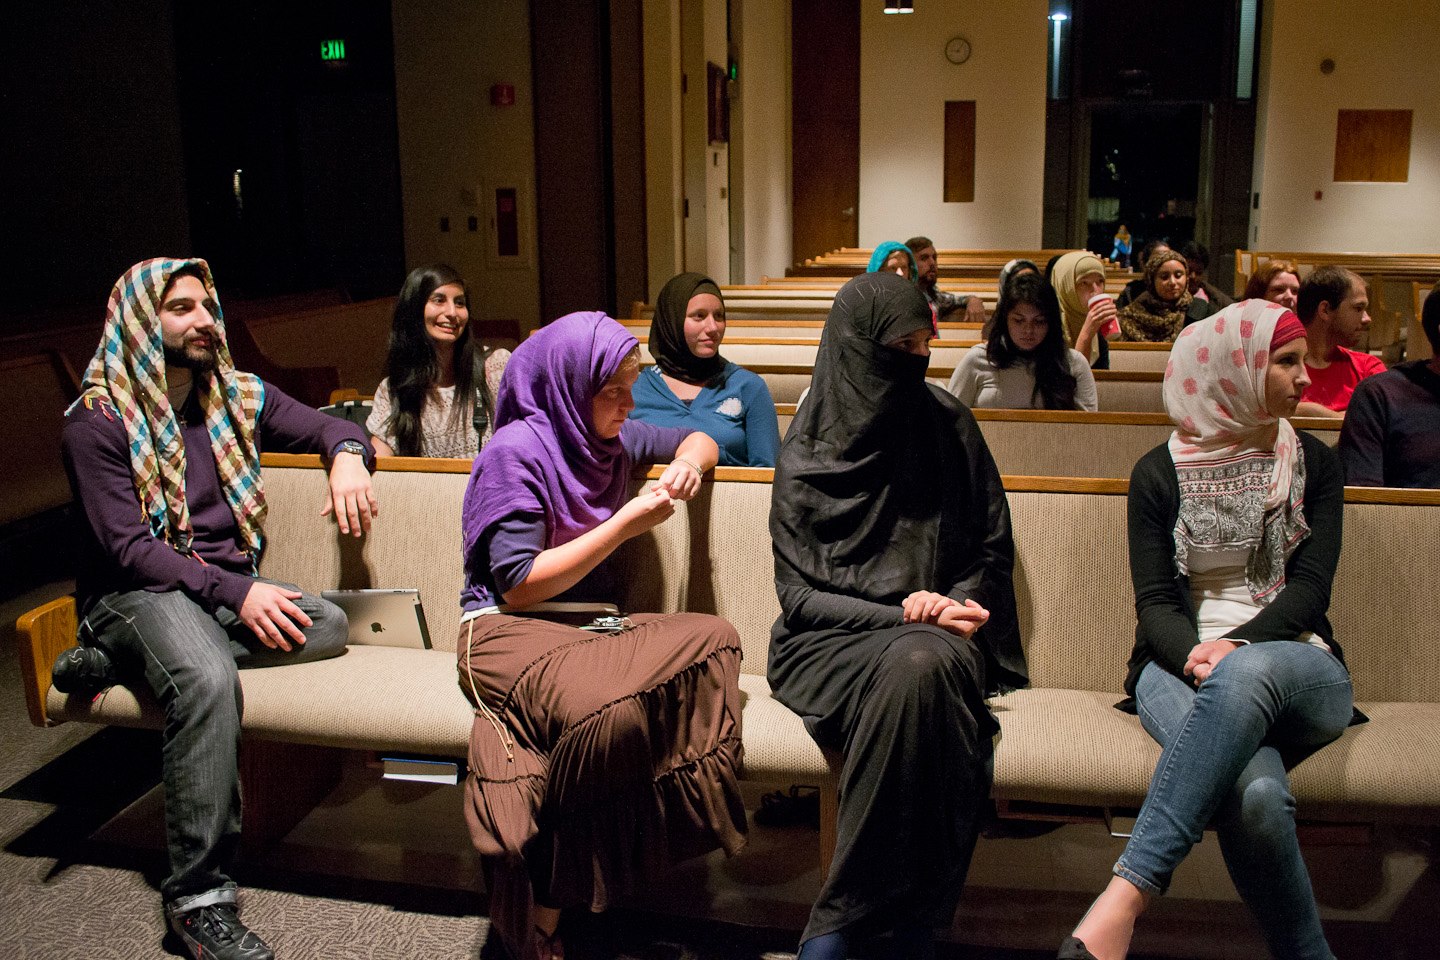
(825, 125)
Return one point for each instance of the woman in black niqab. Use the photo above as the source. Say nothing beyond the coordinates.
(893, 564)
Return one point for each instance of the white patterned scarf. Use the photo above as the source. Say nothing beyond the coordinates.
(1240, 468)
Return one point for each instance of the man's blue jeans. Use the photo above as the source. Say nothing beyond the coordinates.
(189, 659)
(1263, 709)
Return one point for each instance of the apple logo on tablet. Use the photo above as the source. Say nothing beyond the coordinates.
(376, 628)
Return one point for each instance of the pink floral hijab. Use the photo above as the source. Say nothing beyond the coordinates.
(1240, 468)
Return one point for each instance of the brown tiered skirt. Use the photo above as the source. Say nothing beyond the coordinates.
(602, 759)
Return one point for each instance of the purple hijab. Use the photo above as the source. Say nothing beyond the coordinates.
(545, 457)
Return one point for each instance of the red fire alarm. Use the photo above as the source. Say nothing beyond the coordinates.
(502, 95)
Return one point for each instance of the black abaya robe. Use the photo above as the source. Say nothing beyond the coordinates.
(884, 486)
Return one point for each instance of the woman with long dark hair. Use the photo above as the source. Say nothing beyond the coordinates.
(1025, 364)
(438, 395)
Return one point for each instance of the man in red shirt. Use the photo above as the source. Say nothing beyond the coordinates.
(1334, 305)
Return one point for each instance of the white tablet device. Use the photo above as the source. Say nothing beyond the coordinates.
(384, 618)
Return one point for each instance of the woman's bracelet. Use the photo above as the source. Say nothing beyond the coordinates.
(692, 466)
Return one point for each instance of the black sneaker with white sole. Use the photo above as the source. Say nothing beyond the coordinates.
(216, 933)
(83, 670)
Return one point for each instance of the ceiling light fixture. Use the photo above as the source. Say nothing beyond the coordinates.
(899, 6)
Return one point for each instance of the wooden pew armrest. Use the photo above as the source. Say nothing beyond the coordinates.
(43, 633)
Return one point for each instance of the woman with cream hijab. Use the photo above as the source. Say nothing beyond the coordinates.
(1079, 282)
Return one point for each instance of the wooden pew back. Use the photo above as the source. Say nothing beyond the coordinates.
(35, 391)
(1065, 443)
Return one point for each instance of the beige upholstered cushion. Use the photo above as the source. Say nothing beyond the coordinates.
(1386, 605)
(414, 543)
(1071, 747)
(1074, 747)
(369, 698)
(713, 556)
(384, 698)
(1129, 396)
(1124, 358)
(1072, 585)
(1062, 741)
(777, 747)
(1387, 769)
(786, 387)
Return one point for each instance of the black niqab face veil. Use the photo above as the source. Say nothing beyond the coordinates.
(667, 331)
(856, 506)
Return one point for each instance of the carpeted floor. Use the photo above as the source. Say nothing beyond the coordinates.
(80, 861)
(384, 870)
(66, 892)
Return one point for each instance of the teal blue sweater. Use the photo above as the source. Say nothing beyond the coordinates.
(735, 410)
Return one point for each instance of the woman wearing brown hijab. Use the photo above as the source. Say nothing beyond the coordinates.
(1166, 307)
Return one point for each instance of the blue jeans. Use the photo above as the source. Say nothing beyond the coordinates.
(1228, 743)
(188, 658)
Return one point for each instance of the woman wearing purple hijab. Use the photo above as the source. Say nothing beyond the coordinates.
(601, 751)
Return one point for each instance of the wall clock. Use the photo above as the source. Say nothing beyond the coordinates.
(957, 50)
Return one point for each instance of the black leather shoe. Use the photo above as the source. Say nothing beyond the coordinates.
(800, 806)
(216, 933)
(1074, 949)
(82, 670)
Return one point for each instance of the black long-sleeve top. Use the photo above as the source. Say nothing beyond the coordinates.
(1167, 628)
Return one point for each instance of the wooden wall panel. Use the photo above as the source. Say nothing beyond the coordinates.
(1373, 146)
(959, 151)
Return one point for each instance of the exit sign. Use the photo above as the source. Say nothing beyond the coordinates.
(332, 49)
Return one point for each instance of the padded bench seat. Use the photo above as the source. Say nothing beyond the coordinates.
(1062, 742)
(389, 699)
(1384, 770)
(409, 701)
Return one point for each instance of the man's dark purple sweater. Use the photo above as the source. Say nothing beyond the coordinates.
(117, 551)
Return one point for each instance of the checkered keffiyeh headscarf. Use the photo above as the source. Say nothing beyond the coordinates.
(128, 375)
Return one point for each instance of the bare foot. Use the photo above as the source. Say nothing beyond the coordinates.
(1110, 923)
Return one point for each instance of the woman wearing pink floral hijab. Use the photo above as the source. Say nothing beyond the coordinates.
(1236, 672)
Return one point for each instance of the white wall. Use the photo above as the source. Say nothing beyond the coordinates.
(1384, 61)
(455, 147)
(764, 95)
(706, 167)
(680, 163)
(904, 83)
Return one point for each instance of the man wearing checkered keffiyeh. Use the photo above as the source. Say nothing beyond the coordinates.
(163, 453)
